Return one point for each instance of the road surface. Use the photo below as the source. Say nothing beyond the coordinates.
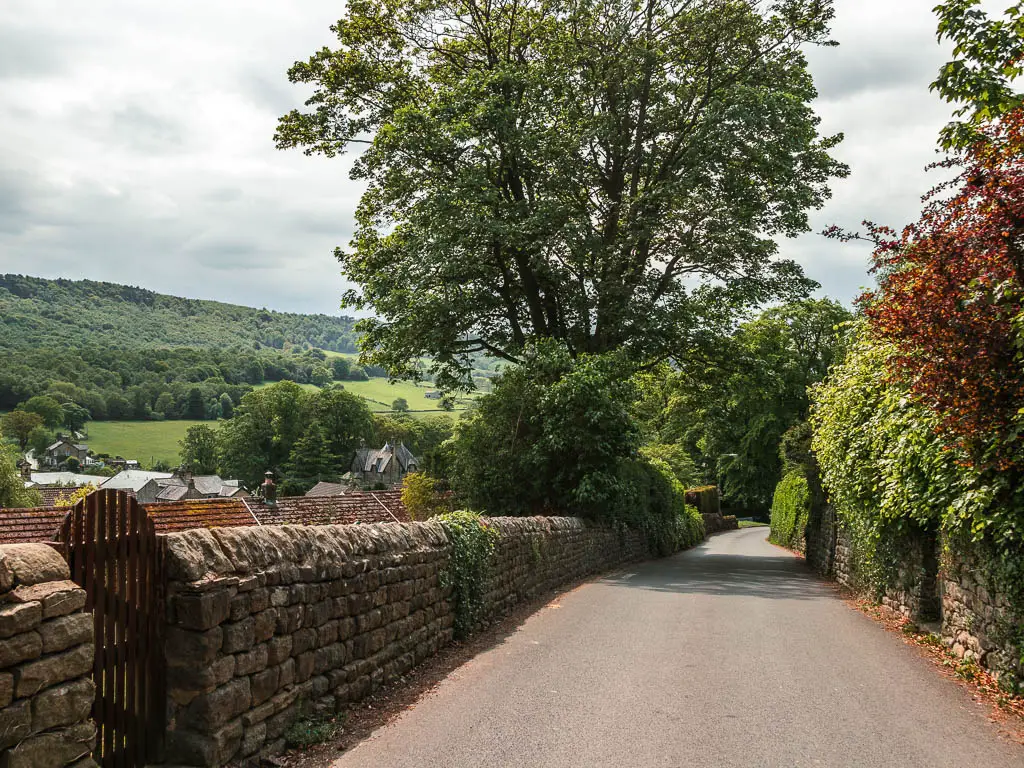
(731, 654)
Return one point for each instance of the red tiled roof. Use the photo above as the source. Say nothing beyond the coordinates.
(23, 526)
(360, 507)
(185, 515)
(40, 524)
(52, 495)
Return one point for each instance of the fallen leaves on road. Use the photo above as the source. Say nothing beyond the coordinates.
(1007, 709)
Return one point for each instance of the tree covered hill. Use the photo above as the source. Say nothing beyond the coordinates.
(37, 313)
(120, 352)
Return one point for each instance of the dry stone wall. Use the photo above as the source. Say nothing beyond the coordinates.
(46, 660)
(976, 619)
(269, 625)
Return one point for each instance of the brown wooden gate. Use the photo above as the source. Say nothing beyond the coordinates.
(115, 555)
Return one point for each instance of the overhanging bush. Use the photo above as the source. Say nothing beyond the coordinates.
(557, 437)
(706, 498)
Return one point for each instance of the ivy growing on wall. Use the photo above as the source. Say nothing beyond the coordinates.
(473, 541)
(887, 471)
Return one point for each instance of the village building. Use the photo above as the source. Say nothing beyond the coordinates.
(133, 480)
(65, 449)
(387, 465)
(184, 486)
(59, 479)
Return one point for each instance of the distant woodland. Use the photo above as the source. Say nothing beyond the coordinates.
(127, 353)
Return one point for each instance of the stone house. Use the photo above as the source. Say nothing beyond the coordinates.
(387, 465)
(184, 486)
(64, 449)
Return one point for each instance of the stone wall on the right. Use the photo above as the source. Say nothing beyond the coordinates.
(976, 618)
(977, 621)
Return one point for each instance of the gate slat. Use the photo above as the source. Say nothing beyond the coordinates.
(146, 619)
(110, 637)
(132, 634)
(98, 508)
(121, 624)
(155, 668)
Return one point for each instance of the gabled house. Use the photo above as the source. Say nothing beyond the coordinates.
(184, 486)
(387, 465)
(134, 480)
(64, 449)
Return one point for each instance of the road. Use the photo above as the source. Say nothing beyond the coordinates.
(731, 654)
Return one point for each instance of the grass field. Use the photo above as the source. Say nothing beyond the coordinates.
(379, 394)
(149, 441)
(145, 441)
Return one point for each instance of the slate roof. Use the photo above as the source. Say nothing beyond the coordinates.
(175, 487)
(59, 443)
(65, 478)
(172, 493)
(133, 479)
(378, 459)
(327, 489)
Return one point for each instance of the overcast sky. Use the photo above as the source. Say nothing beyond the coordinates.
(137, 145)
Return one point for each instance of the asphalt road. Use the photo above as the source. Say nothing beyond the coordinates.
(731, 654)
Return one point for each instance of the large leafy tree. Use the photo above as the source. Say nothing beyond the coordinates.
(988, 56)
(549, 439)
(20, 425)
(730, 408)
(199, 449)
(287, 430)
(13, 492)
(598, 173)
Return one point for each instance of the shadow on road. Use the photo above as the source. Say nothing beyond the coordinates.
(776, 577)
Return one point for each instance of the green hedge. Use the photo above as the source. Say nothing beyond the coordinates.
(791, 507)
(706, 498)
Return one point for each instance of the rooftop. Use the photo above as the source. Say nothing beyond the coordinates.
(42, 523)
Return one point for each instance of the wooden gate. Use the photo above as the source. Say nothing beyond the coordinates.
(115, 555)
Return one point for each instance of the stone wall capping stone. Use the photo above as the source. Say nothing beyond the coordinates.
(30, 564)
(46, 656)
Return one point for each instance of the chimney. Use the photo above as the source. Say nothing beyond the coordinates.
(26, 470)
(269, 489)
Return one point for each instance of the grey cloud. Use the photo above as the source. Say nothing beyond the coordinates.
(143, 142)
(33, 52)
(146, 131)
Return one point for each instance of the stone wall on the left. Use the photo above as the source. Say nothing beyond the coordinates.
(46, 661)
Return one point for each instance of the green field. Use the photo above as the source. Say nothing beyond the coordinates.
(145, 441)
(150, 441)
(379, 394)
